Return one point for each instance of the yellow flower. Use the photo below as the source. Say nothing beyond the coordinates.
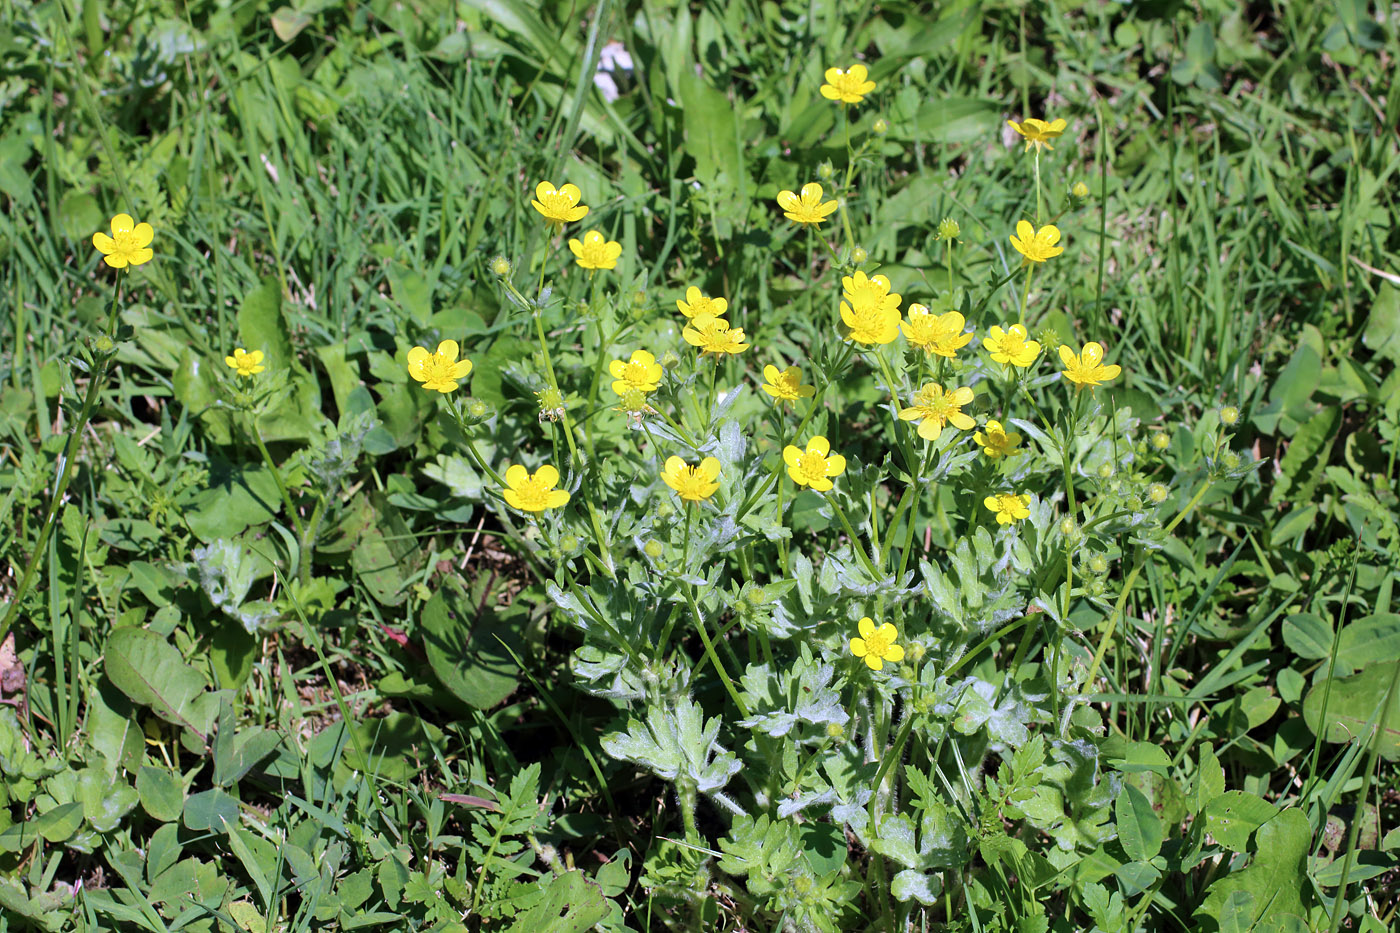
(872, 314)
(714, 335)
(641, 373)
(1086, 368)
(876, 645)
(1009, 507)
(534, 492)
(847, 85)
(1011, 346)
(938, 334)
(1038, 133)
(933, 408)
(559, 206)
(807, 208)
(247, 364)
(814, 466)
(1037, 245)
(786, 386)
(438, 371)
(996, 441)
(696, 304)
(692, 483)
(129, 244)
(596, 251)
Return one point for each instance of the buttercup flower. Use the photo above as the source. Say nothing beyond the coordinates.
(1009, 507)
(559, 206)
(692, 483)
(1086, 368)
(933, 408)
(786, 386)
(129, 244)
(696, 304)
(1011, 346)
(247, 364)
(714, 335)
(1036, 245)
(438, 371)
(938, 334)
(806, 208)
(534, 492)
(876, 645)
(641, 373)
(996, 441)
(1038, 133)
(596, 251)
(814, 466)
(872, 314)
(847, 85)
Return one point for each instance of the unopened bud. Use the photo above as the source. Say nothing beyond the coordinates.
(948, 229)
(859, 255)
(1229, 415)
(1160, 441)
(1157, 493)
(1105, 470)
(825, 171)
(880, 127)
(501, 266)
(654, 549)
(1080, 190)
(478, 409)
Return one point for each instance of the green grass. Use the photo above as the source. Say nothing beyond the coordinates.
(336, 194)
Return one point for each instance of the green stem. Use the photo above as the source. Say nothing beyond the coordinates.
(1037, 185)
(855, 541)
(1026, 294)
(277, 478)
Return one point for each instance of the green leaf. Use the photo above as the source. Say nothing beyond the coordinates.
(1139, 829)
(1354, 708)
(287, 23)
(1382, 334)
(161, 792)
(1374, 639)
(1210, 780)
(572, 903)
(1275, 879)
(1136, 756)
(150, 670)
(211, 811)
(104, 802)
(412, 293)
(467, 649)
(1308, 635)
(1234, 815)
(261, 325)
(394, 747)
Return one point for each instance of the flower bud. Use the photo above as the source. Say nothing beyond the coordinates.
(1098, 564)
(948, 229)
(836, 731)
(1105, 471)
(1080, 190)
(1229, 415)
(1157, 493)
(1160, 441)
(664, 509)
(103, 344)
(880, 127)
(1068, 528)
(654, 549)
(568, 543)
(915, 651)
(1231, 460)
(859, 255)
(669, 360)
(478, 409)
(500, 266)
(757, 596)
(825, 171)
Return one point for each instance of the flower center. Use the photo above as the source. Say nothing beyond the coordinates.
(125, 241)
(812, 465)
(877, 643)
(635, 374)
(438, 368)
(533, 495)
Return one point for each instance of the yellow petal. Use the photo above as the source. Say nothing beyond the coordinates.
(557, 498)
(547, 475)
(122, 223)
(1025, 231)
(462, 370)
(858, 647)
(512, 499)
(811, 192)
(829, 92)
(866, 627)
(571, 192)
(103, 242)
(674, 465)
(792, 455)
(143, 234)
(894, 654)
(448, 349)
(819, 445)
(544, 190)
(140, 256)
(874, 662)
(516, 476)
(835, 465)
(710, 467)
(1068, 357)
(770, 374)
(1092, 355)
